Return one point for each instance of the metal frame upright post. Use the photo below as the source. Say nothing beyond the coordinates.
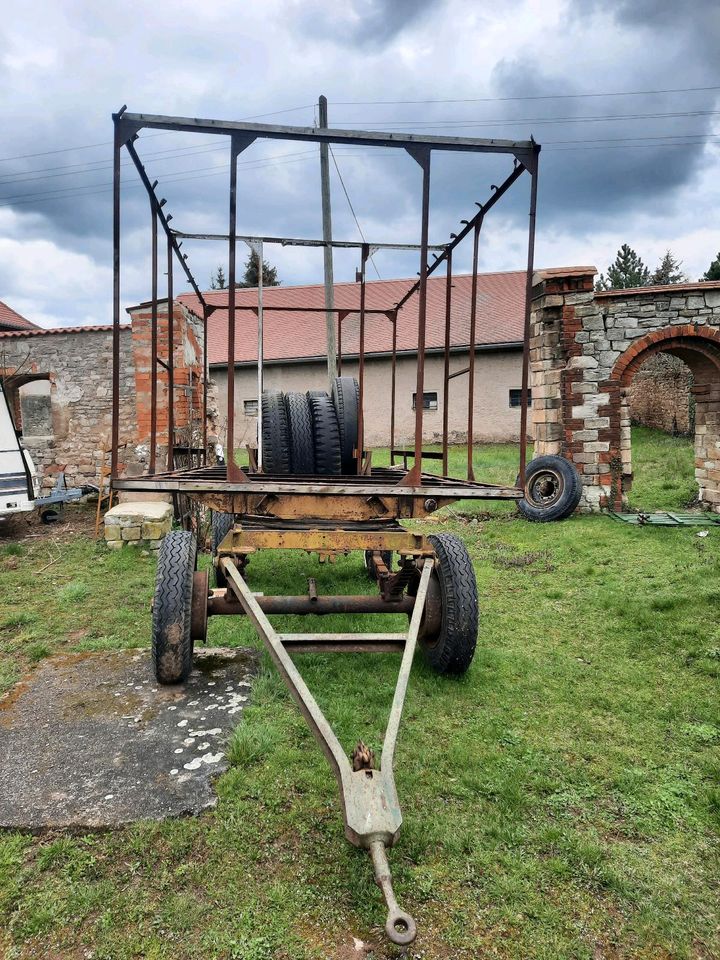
(528, 307)
(473, 337)
(446, 365)
(365, 253)
(171, 356)
(230, 432)
(393, 319)
(153, 336)
(115, 429)
(422, 156)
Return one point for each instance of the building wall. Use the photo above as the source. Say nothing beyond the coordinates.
(78, 367)
(71, 431)
(586, 349)
(494, 420)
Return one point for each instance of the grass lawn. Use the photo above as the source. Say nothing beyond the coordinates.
(561, 801)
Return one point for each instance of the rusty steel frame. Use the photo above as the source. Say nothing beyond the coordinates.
(127, 127)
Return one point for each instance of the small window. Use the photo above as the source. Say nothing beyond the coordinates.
(250, 407)
(516, 397)
(430, 401)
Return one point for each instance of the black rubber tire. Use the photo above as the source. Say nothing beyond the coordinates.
(302, 443)
(221, 524)
(346, 400)
(370, 563)
(326, 435)
(275, 433)
(560, 478)
(317, 393)
(453, 648)
(172, 644)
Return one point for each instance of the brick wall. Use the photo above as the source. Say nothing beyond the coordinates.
(586, 349)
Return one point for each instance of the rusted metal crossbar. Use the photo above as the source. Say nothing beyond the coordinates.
(369, 797)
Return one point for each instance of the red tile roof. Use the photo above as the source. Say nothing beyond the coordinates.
(302, 335)
(11, 320)
(44, 332)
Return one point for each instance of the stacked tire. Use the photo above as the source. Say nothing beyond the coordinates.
(313, 433)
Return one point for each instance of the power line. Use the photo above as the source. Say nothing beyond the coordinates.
(106, 143)
(352, 210)
(547, 96)
(445, 124)
(277, 160)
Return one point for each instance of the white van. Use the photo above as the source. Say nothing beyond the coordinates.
(19, 484)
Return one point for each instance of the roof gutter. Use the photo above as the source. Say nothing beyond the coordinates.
(512, 345)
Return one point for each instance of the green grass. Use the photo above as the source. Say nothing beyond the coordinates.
(663, 469)
(561, 801)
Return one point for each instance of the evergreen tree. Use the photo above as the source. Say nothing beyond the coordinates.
(250, 277)
(668, 270)
(628, 270)
(713, 271)
(217, 280)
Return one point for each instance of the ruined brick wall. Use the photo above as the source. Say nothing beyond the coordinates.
(586, 349)
(660, 395)
(188, 375)
(78, 366)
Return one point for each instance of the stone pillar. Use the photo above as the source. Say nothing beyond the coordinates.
(569, 413)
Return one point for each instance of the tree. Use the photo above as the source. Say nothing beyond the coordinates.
(628, 270)
(668, 270)
(217, 280)
(713, 271)
(250, 277)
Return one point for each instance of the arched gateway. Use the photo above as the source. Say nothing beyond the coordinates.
(586, 347)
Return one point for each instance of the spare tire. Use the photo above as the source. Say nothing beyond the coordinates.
(553, 488)
(346, 400)
(275, 433)
(302, 444)
(326, 435)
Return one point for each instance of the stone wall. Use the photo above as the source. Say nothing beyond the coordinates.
(586, 348)
(77, 364)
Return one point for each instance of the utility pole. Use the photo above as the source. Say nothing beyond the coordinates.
(327, 249)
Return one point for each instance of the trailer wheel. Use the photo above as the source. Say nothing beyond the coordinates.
(326, 435)
(370, 563)
(221, 525)
(275, 433)
(552, 489)
(172, 643)
(302, 445)
(346, 399)
(448, 633)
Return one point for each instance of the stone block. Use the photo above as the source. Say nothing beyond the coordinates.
(115, 544)
(131, 533)
(113, 533)
(597, 447)
(155, 529)
(695, 303)
(582, 363)
(712, 298)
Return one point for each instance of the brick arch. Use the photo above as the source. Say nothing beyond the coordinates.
(685, 339)
(699, 349)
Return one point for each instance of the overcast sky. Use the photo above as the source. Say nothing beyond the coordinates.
(622, 94)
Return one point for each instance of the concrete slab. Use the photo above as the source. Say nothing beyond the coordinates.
(91, 740)
(138, 510)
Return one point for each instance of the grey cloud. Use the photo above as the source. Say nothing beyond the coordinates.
(364, 22)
